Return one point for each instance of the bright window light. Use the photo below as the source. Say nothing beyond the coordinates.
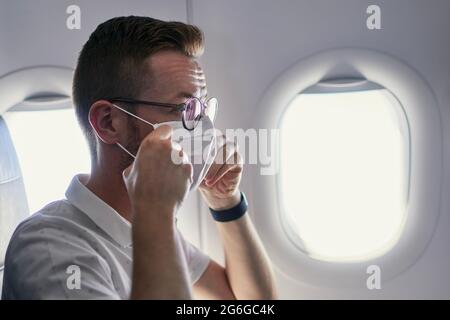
(51, 150)
(344, 173)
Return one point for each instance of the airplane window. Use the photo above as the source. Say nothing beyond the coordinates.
(344, 173)
(51, 149)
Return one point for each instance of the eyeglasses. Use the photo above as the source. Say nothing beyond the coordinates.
(192, 110)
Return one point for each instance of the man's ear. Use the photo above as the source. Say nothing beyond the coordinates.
(106, 122)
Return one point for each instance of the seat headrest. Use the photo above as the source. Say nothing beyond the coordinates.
(13, 200)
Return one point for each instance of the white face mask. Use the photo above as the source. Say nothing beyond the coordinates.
(199, 144)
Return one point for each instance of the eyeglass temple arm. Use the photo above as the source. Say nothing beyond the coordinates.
(178, 107)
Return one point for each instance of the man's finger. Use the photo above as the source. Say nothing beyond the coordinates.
(215, 167)
(222, 157)
(164, 132)
(222, 172)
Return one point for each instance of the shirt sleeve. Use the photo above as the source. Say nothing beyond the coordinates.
(47, 262)
(196, 260)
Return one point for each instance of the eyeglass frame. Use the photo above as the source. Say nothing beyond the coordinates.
(175, 107)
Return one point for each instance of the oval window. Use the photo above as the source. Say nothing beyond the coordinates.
(344, 174)
(51, 150)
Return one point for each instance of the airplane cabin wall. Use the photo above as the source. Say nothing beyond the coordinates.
(250, 43)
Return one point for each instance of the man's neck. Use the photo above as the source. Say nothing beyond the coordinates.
(110, 187)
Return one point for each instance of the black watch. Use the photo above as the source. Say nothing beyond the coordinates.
(233, 213)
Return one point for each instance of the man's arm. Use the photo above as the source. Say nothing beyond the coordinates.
(247, 273)
(213, 284)
(247, 269)
(159, 265)
(247, 265)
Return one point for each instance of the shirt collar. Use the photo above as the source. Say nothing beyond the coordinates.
(104, 216)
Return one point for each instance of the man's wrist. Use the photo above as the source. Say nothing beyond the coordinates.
(160, 214)
(226, 203)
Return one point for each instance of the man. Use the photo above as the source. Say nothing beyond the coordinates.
(138, 81)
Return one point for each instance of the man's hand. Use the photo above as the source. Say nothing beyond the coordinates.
(155, 180)
(220, 188)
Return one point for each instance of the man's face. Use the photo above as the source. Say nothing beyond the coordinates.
(172, 78)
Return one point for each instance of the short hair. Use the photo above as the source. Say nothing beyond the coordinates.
(110, 63)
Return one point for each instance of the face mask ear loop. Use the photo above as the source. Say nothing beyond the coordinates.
(133, 115)
(124, 149)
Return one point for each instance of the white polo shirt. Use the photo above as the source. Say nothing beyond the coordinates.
(78, 238)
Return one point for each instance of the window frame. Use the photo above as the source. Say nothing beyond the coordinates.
(422, 110)
(34, 86)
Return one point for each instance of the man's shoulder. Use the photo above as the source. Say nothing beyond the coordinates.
(56, 217)
(44, 245)
(57, 231)
(51, 213)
